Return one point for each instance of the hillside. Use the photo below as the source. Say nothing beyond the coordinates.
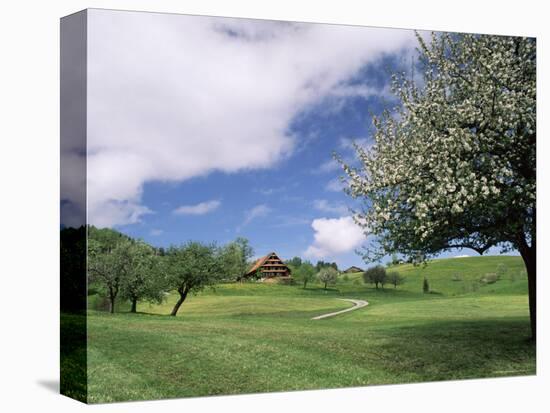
(455, 276)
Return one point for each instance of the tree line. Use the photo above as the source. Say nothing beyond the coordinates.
(124, 268)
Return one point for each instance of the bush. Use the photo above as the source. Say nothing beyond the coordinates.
(489, 278)
(345, 277)
(456, 277)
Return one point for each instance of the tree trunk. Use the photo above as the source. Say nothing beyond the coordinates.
(112, 298)
(529, 255)
(305, 284)
(325, 286)
(134, 305)
(183, 296)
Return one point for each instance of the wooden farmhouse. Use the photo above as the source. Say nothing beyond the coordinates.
(353, 269)
(270, 268)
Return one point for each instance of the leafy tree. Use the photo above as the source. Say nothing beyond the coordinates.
(295, 262)
(305, 272)
(142, 279)
(106, 266)
(375, 275)
(395, 278)
(235, 258)
(327, 275)
(454, 165)
(322, 264)
(190, 268)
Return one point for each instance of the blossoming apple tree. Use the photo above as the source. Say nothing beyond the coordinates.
(454, 164)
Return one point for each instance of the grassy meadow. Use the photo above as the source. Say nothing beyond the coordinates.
(254, 337)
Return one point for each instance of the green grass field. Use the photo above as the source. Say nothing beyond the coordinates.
(246, 338)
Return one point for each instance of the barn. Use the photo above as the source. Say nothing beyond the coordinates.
(270, 267)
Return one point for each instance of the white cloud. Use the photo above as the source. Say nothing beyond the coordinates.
(334, 208)
(198, 209)
(334, 236)
(328, 166)
(257, 212)
(156, 232)
(171, 97)
(335, 185)
(347, 143)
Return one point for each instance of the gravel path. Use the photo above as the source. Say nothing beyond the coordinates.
(358, 304)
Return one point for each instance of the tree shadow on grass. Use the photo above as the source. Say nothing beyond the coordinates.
(446, 350)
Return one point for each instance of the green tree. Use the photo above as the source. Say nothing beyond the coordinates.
(295, 262)
(142, 278)
(106, 266)
(305, 272)
(190, 268)
(235, 257)
(453, 166)
(375, 275)
(395, 278)
(327, 275)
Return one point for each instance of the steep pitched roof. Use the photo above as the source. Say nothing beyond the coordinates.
(259, 262)
(353, 268)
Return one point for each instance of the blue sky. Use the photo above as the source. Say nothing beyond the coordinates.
(208, 129)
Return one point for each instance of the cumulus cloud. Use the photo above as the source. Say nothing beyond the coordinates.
(325, 206)
(172, 97)
(156, 232)
(334, 236)
(198, 209)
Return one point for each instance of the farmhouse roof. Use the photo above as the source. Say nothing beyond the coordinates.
(269, 264)
(353, 268)
(259, 262)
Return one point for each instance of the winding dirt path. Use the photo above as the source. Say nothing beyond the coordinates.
(357, 305)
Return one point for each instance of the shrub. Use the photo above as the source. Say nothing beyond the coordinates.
(456, 277)
(345, 277)
(489, 278)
